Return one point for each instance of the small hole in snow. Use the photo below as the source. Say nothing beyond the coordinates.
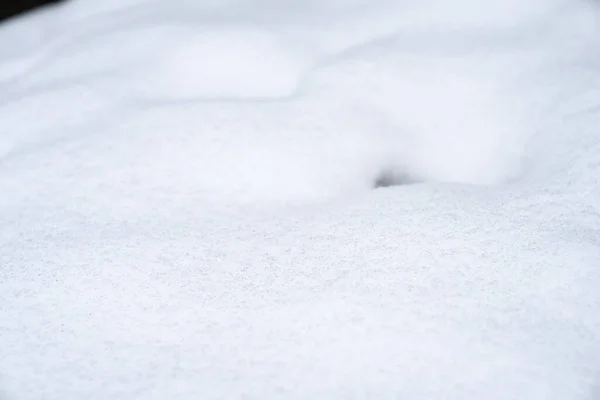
(388, 178)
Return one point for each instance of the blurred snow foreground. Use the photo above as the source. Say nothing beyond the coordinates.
(191, 202)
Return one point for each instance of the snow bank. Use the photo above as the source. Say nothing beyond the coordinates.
(192, 205)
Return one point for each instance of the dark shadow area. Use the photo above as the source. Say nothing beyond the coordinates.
(388, 178)
(13, 8)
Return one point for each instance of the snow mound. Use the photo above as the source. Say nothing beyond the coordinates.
(226, 63)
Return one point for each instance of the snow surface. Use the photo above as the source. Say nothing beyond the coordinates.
(301, 199)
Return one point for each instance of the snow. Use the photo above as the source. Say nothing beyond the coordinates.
(292, 199)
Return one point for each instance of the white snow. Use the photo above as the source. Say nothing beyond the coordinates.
(194, 200)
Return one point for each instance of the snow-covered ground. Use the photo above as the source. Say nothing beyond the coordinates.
(301, 199)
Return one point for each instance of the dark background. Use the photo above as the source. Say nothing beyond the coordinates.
(12, 8)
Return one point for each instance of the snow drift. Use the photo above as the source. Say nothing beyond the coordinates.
(191, 201)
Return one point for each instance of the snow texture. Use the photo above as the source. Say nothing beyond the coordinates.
(301, 199)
